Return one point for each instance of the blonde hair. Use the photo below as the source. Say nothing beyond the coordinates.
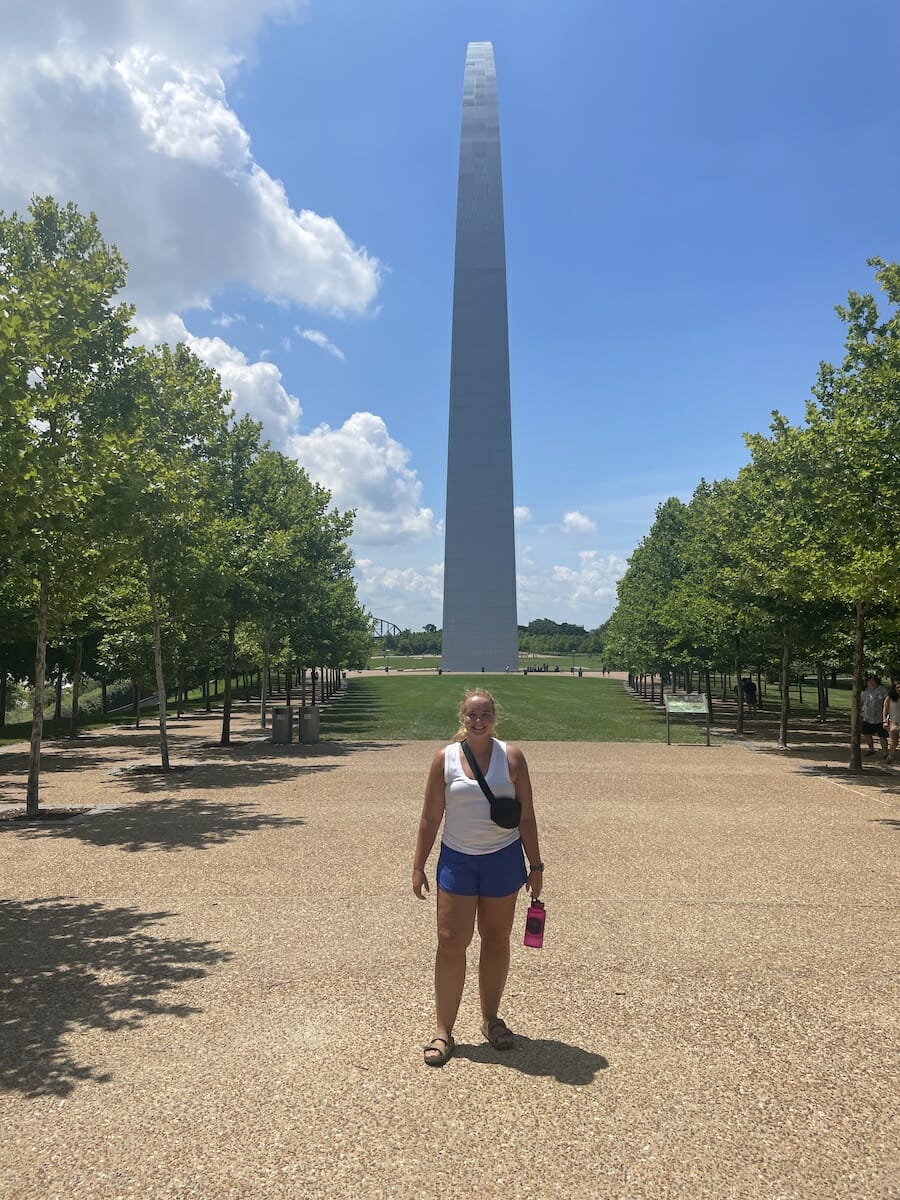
(461, 732)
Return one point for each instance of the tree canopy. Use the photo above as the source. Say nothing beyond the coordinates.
(794, 560)
(134, 510)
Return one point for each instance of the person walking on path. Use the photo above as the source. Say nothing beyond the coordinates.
(480, 868)
(871, 705)
(891, 715)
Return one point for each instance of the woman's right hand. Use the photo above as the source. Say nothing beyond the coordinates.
(419, 882)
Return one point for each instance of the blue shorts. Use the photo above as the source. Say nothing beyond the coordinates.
(498, 874)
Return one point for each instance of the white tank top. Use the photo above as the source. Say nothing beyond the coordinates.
(468, 827)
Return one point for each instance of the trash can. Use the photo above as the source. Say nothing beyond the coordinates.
(309, 725)
(281, 726)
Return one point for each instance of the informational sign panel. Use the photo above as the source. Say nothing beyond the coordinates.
(687, 707)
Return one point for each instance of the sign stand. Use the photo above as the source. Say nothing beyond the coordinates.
(692, 704)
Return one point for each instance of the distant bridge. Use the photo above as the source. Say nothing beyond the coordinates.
(381, 627)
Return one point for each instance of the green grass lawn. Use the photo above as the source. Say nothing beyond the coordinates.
(426, 662)
(406, 707)
(536, 708)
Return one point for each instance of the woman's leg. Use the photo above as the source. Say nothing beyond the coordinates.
(456, 923)
(495, 919)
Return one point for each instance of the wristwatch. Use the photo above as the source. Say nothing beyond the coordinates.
(536, 866)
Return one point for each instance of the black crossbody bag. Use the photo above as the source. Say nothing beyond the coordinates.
(506, 811)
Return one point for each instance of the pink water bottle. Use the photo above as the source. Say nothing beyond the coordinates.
(534, 924)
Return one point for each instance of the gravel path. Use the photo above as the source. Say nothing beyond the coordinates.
(220, 986)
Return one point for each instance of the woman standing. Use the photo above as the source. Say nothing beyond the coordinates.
(480, 868)
(891, 714)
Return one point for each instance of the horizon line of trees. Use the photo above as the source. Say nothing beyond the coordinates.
(541, 636)
(144, 531)
(795, 561)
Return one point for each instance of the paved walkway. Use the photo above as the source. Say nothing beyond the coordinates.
(221, 987)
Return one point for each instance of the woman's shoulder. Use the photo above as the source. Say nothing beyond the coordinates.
(513, 753)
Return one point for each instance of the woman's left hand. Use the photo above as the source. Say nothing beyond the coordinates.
(534, 883)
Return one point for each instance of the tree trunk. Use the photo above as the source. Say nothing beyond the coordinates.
(76, 687)
(37, 712)
(823, 692)
(263, 679)
(136, 700)
(207, 699)
(225, 739)
(709, 695)
(288, 677)
(800, 688)
(158, 663)
(314, 676)
(739, 727)
(858, 667)
(104, 701)
(785, 689)
(3, 684)
(57, 708)
(759, 688)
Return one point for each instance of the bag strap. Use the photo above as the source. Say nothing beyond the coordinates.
(476, 771)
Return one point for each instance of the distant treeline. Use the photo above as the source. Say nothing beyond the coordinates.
(539, 637)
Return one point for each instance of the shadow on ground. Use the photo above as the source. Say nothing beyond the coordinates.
(147, 779)
(820, 747)
(196, 765)
(159, 825)
(540, 1056)
(878, 778)
(70, 966)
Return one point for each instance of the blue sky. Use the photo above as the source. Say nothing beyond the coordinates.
(689, 188)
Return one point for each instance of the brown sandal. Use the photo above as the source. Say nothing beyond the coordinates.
(498, 1033)
(439, 1056)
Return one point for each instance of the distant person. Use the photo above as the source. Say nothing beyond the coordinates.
(480, 869)
(891, 714)
(871, 704)
(749, 690)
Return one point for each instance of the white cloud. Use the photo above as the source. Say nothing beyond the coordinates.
(402, 585)
(142, 133)
(585, 594)
(319, 339)
(256, 388)
(226, 320)
(408, 596)
(365, 468)
(190, 29)
(521, 514)
(576, 522)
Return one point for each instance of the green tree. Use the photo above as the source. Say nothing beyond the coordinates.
(854, 421)
(62, 347)
(166, 503)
